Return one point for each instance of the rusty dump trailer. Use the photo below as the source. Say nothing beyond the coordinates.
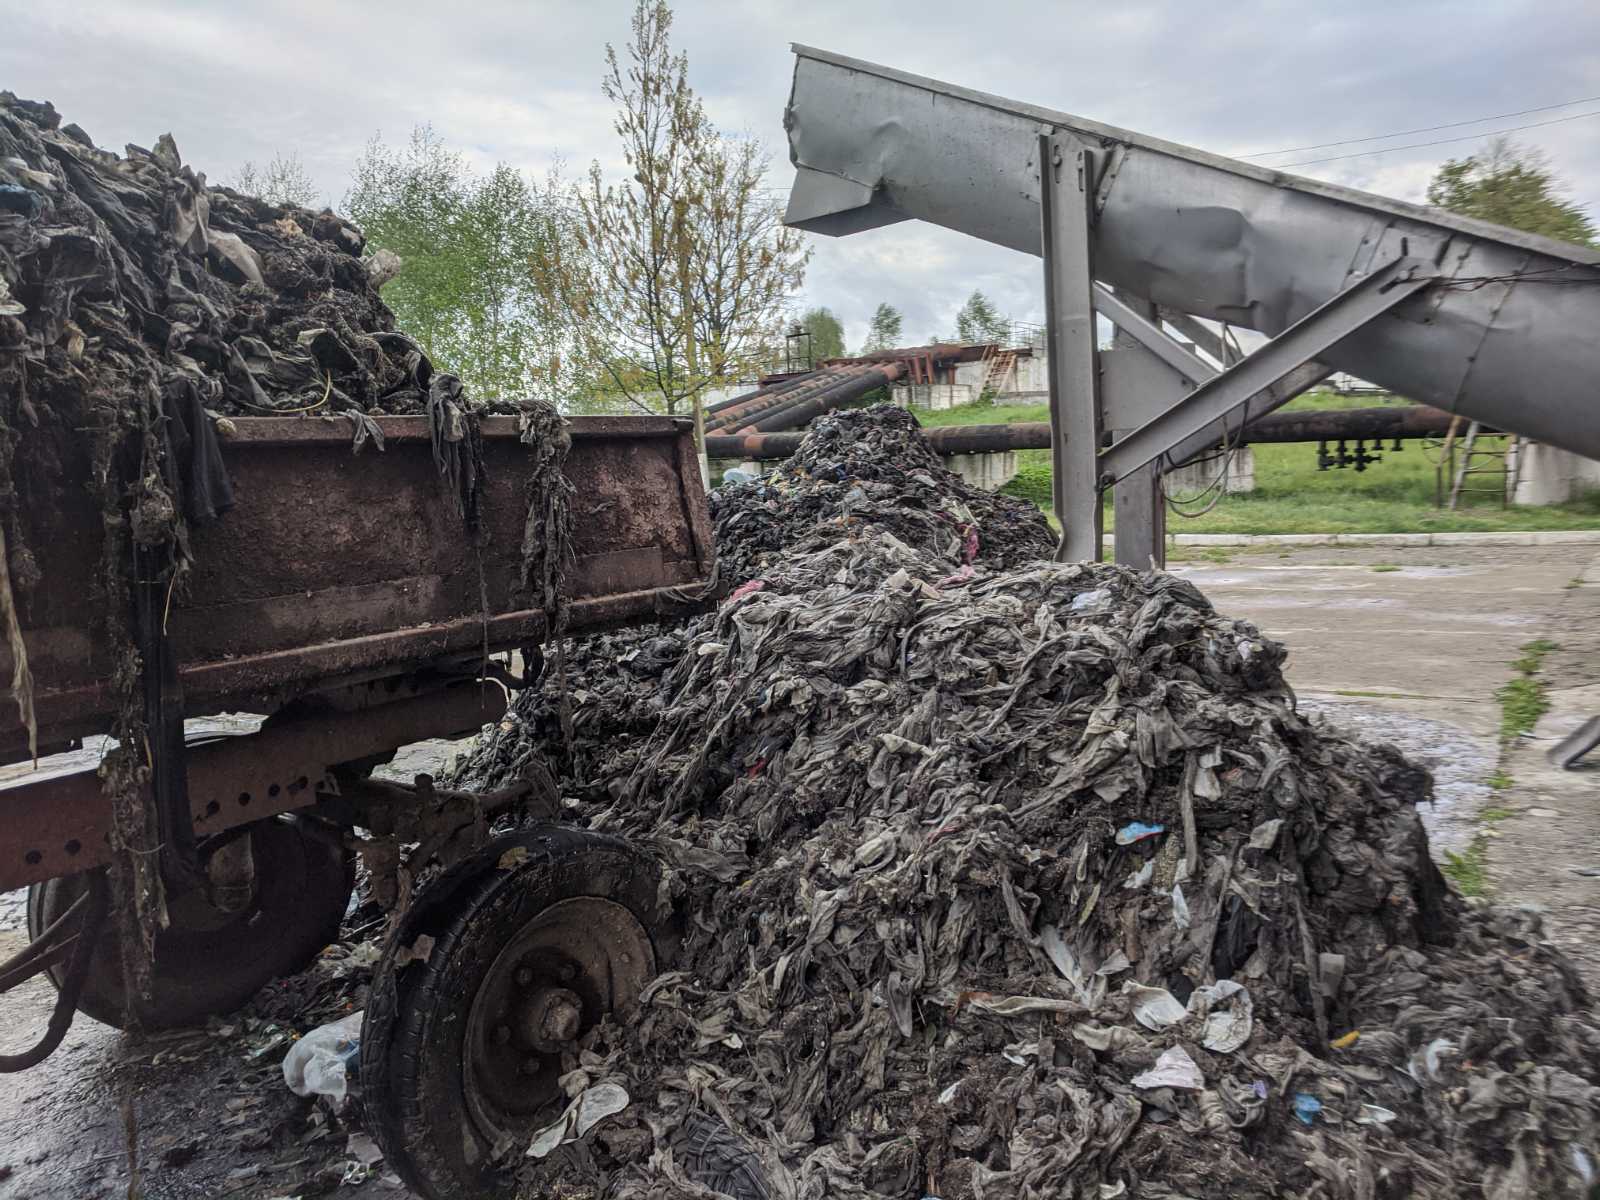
(340, 576)
(342, 600)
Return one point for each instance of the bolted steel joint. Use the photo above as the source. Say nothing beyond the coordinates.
(551, 1019)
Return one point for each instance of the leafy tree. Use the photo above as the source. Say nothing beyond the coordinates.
(1511, 185)
(979, 321)
(827, 334)
(284, 180)
(884, 331)
(678, 273)
(747, 262)
(465, 242)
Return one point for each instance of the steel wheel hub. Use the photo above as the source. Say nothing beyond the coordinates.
(562, 973)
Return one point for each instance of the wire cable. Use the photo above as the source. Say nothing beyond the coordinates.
(1470, 137)
(1378, 137)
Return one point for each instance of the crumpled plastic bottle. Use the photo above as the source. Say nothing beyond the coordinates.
(324, 1062)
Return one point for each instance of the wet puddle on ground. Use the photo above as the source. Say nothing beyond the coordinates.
(1461, 763)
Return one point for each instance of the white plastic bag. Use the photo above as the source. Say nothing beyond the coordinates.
(323, 1062)
(583, 1114)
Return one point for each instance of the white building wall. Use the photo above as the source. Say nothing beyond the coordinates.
(715, 395)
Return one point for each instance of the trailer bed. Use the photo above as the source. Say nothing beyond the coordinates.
(334, 568)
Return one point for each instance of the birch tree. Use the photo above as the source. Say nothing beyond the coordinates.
(284, 180)
(678, 271)
(884, 331)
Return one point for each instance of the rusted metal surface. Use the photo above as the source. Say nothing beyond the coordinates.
(59, 825)
(573, 964)
(768, 396)
(334, 566)
(851, 383)
(777, 392)
(774, 397)
(1399, 421)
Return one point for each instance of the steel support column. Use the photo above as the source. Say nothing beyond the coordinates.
(1140, 535)
(1293, 349)
(1066, 207)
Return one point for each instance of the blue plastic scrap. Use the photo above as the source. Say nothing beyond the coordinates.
(1137, 831)
(1306, 1107)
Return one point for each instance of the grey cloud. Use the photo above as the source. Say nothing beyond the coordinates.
(519, 82)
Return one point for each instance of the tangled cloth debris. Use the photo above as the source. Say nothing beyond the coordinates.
(140, 308)
(261, 309)
(1004, 878)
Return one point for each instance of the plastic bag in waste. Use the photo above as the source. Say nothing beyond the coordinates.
(324, 1061)
(592, 1106)
(1174, 1069)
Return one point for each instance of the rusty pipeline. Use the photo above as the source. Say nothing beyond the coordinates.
(773, 398)
(767, 389)
(857, 383)
(1398, 421)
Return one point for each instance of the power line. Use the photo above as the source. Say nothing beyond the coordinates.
(1471, 137)
(1378, 137)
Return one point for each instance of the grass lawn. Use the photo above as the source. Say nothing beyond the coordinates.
(1293, 496)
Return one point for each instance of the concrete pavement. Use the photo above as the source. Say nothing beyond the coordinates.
(1406, 645)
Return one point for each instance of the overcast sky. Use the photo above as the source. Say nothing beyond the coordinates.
(518, 82)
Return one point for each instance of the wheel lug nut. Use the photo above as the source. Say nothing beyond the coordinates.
(561, 1021)
(502, 1034)
(524, 976)
(531, 1066)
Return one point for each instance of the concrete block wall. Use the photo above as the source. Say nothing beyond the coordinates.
(1033, 374)
(1546, 475)
(1196, 477)
(971, 375)
(990, 472)
(934, 396)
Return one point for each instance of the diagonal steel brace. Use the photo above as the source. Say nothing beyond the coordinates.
(1281, 357)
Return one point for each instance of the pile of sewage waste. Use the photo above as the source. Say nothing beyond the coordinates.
(1002, 877)
(997, 877)
(133, 269)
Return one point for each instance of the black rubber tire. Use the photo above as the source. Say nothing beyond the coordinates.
(414, 1035)
(303, 887)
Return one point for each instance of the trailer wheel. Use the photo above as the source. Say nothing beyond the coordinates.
(208, 962)
(533, 941)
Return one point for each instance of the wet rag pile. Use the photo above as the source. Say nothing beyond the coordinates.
(1004, 878)
(140, 310)
(129, 270)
